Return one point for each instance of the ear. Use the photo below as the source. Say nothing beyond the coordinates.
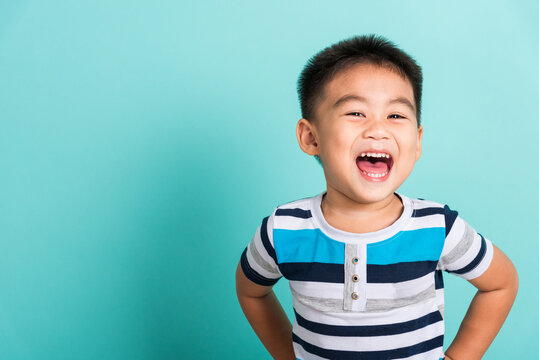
(307, 137)
(419, 139)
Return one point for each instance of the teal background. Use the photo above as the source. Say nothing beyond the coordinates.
(142, 142)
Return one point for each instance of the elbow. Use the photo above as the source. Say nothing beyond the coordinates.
(239, 281)
(510, 286)
(515, 282)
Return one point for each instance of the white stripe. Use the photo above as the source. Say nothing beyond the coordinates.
(302, 354)
(440, 296)
(441, 301)
(371, 343)
(318, 289)
(259, 269)
(397, 315)
(257, 241)
(422, 204)
(483, 265)
(400, 289)
(430, 221)
(433, 354)
(300, 204)
(455, 235)
(266, 261)
(468, 257)
(269, 229)
(293, 223)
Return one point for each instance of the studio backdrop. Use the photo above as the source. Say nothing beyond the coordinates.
(141, 143)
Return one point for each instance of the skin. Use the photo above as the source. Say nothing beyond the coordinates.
(366, 107)
(372, 119)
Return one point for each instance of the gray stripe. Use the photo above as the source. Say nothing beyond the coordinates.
(388, 304)
(320, 304)
(462, 247)
(260, 260)
(350, 252)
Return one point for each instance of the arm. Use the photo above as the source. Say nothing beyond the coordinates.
(497, 289)
(266, 316)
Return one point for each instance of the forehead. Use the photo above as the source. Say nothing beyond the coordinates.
(369, 82)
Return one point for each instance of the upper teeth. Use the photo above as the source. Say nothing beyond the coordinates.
(375, 155)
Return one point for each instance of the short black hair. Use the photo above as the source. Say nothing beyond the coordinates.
(373, 49)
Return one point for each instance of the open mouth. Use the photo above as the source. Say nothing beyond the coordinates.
(374, 165)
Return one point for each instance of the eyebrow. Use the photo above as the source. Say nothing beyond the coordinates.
(398, 100)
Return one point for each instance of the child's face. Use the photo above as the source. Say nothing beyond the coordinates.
(367, 109)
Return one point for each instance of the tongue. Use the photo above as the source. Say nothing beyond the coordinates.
(378, 167)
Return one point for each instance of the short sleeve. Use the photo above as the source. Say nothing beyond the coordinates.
(466, 253)
(259, 261)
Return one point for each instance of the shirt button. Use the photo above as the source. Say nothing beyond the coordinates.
(355, 260)
(355, 278)
(355, 295)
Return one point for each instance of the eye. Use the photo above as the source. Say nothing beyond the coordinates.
(395, 116)
(355, 113)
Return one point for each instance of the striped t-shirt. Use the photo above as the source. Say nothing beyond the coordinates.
(375, 295)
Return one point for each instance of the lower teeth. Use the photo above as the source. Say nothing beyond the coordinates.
(375, 175)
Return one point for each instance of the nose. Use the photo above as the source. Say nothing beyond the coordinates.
(375, 129)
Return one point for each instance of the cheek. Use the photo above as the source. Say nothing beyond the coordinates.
(410, 151)
(337, 147)
(335, 154)
(408, 140)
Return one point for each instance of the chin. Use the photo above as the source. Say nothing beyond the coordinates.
(367, 196)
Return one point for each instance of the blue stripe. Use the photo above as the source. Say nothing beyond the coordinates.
(316, 272)
(427, 211)
(438, 280)
(299, 213)
(398, 272)
(450, 217)
(307, 245)
(406, 246)
(252, 275)
(265, 239)
(371, 355)
(369, 330)
(479, 257)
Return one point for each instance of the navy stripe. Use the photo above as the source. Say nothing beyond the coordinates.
(313, 271)
(476, 261)
(265, 239)
(427, 211)
(438, 280)
(299, 213)
(369, 330)
(371, 355)
(398, 272)
(252, 275)
(450, 217)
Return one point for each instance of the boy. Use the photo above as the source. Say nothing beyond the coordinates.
(365, 263)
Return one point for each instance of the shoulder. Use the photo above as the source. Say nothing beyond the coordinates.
(426, 206)
(293, 215)
(301, 208)
(433, 211)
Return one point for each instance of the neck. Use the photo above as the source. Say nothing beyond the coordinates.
(344, 213)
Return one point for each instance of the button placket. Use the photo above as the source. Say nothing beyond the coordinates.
(355, 277)
(361, 272)
(351, 293)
